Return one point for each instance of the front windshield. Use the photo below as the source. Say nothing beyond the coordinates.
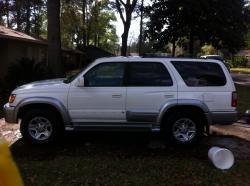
(73, 74)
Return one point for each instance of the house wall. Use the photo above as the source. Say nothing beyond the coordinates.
(13, 50)
(27, 50)
(3, 57)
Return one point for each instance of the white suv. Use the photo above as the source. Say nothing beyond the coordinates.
(180, 97)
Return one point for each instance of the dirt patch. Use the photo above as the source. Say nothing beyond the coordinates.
(9, 132)
(234, 137)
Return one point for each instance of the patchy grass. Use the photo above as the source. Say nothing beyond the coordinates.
(243, 98)
(244, 70)
(114, 159)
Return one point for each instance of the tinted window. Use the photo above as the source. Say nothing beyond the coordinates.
(148, 74)
(105, 75)
(197, 74)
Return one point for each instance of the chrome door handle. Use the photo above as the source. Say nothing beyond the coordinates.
(168, 96)
(116, 95)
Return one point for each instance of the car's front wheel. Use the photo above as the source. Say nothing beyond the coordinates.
(40, 126)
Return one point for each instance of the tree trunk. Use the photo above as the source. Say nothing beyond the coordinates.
(173, 47)
(7, 12)
(36, 22)
(191, 43)
(129, 8)
(27, 17)
(125, 40)
(18, 16)
(54, 39)
(84, 36)
(125, 34)
(141, 27)
(88, 28)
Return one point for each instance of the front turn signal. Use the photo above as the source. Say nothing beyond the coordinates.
(12, 98)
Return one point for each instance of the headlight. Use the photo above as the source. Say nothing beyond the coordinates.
(12, 98)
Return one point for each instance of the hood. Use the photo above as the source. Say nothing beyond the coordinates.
(44, 85)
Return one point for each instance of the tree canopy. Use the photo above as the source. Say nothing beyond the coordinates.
(220, 23)
(217, 22)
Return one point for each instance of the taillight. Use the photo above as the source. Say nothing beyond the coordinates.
(234, 99)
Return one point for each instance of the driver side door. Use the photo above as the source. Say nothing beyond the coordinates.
(102, 99)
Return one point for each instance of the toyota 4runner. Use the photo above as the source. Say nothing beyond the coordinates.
(180, 97)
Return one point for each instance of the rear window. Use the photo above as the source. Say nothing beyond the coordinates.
(198, 74)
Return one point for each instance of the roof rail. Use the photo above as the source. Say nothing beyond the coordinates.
(152, 55)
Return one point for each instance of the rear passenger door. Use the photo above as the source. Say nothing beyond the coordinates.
(204, 81)
(149, 86)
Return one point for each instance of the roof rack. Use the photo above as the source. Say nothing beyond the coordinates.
(155, 55)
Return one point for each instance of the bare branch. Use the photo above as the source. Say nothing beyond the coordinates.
(118, 5)
(134, 4)
(122, 3)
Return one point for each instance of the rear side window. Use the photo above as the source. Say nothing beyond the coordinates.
(198, 74)
(148, 74)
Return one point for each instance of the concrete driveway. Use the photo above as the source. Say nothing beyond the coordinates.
(241, 78)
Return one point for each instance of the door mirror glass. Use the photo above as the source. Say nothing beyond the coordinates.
(80, 82)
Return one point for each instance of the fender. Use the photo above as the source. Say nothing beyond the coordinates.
(45, 100)
(182, 102)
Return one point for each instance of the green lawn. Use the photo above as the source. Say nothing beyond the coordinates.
(122, 160)
(244, 70)
(243, 98)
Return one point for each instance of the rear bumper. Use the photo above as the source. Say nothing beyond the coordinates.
(222, 118)
(9, 113)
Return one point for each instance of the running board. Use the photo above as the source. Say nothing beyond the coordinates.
(113, 127)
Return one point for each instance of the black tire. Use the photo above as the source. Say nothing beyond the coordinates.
(170, 126)
(47, 116)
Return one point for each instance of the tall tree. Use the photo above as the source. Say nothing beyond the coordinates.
(17, 14)
(54, 39)
(141, 27)
(84, 30)
(25, 15)
(27, 6)
(2, 13)
(100, 31)
(7, 9)
(125, 10)
(221, 23)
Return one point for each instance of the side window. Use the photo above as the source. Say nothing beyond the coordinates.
(198, 74)
(105, 75)
(148, 74)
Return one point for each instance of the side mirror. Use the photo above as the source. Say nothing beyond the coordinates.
(80, 82)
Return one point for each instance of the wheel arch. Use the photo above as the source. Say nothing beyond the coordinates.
(43, 102)
(196, 106)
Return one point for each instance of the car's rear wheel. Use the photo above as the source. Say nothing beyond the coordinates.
(183, 128)
(40, 126)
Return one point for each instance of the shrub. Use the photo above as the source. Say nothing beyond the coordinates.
(238, 61)
(25, 71)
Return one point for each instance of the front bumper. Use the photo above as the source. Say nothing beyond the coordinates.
(9, 113)
(222, 118)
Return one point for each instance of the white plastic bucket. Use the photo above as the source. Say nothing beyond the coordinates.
(221, 158)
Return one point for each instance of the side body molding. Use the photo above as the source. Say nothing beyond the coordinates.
(45, 100)
(182, 102)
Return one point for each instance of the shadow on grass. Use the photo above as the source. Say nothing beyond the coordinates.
(121, 159)
(96, 143)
